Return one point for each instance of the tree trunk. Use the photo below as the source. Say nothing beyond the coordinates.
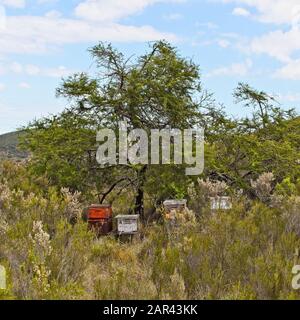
(139, 200)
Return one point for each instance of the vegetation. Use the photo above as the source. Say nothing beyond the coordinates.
(246, 252)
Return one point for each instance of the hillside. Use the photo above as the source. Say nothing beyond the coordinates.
(9, 146)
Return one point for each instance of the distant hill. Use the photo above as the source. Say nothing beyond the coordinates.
(9, 146)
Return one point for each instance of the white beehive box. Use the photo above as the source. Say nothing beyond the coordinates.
(170, 205)
(221, 203)
(127, 224)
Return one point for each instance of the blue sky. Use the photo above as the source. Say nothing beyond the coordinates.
(41, 41)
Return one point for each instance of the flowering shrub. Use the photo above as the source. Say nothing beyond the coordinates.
(263, 186)
(73, 210)
(201, 193)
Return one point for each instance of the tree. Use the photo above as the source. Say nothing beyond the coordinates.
(157, 90)
(267, 140)
(265, 108)
(58, 145)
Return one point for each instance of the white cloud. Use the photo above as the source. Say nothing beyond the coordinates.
(291, 71)
(16, 67)
(236, 69)
(283, 45)
(24, 85)
(223, 43)
(13, 3)
(58, 72)
(273, 11)
(2, 18)
(34, 70)
(53, 14)
(240, 12)
(97, 22)
(33, 34)
(2, 87)
(113, 10)
(277, 44)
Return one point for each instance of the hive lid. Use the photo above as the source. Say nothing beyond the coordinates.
(175, 202)
(127, 216)
(220, 198)
(100, 206)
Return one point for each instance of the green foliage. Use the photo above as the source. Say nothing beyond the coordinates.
(287, 187)
(244, 253)
(240, 157)
(59, 150)
(154, 91)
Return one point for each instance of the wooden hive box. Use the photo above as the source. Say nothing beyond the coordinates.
(127, 224)
(100, 219)
(179, 205)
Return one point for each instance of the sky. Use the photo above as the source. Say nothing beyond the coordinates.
(42, 41)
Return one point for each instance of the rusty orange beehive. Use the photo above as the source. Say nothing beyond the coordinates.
(99, 211)
(100, 219)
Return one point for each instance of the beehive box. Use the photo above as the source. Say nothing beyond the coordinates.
(221, 203)
(127, 224)
(99, 211)
(179, 205)
(100, 219)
